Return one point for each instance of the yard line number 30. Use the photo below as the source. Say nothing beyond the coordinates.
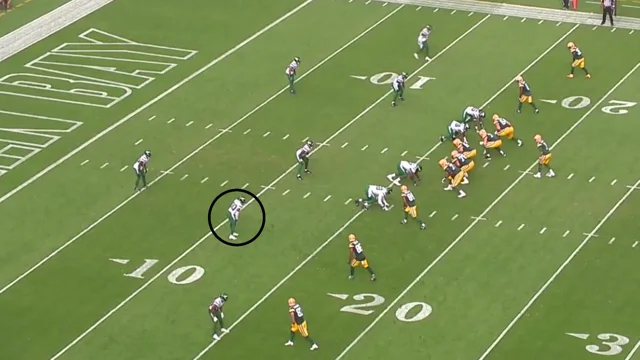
(615, 107)
(181, 276)
(409, 312)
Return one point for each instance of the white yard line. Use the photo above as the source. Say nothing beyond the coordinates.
(560, 269)
(196, 151)
(633, 351)
(150, 103)
(277, 286)
(47, 25)
(484, 213)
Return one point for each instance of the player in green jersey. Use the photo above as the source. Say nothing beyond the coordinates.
(410, 207)
(215, 311)
(302, 158)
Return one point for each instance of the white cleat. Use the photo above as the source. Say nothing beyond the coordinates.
(551, 174)
(448, 188)
(465, 181)
(314, 347)
(288, 343)
(416, 56)
(537, 175)
(427, 59)
(216, 337)
(461, 194)
(232, 237)
(225, 331)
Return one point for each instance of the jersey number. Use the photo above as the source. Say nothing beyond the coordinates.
(410, 312)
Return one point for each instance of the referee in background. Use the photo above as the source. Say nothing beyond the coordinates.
(607, 9)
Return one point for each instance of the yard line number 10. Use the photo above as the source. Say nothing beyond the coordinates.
(181, 276)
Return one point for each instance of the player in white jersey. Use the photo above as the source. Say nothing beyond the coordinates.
(140, 168)
(302, 158)
(215, 311)
(456, 130)
(423, 45)
(234, 215)
(405, 168)
(375, 193)
(398, 87)
(291, 73)
(473, 115)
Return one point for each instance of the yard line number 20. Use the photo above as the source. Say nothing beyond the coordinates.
(180, 276)
(615, 107)
(409, 312)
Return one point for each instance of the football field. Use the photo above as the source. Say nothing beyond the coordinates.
(521, 268)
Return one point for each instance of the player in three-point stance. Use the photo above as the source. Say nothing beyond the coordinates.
(298, 324)
(375, 193)
(456, 130)
(464, 148)
(215, 311)
(140, 168)
(455, 176)
(544, 159)
(406, 169)
(490, 142)
(410, 207)
(505, 129)
(475, 116)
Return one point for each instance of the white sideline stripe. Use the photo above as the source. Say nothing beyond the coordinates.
(153, 101)
(589, 235)
(146, 284)
(560, 269)
(75, 151)
(277, 286)
(479, 217)
(47, 25)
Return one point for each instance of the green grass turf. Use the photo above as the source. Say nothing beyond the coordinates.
(470, 276)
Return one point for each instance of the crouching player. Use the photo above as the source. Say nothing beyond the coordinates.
(456, 130)
(505, 129)
(406, 169)
(544, 159)
(464, 148)
(490, 142)
(465, 164)
(375, 193)
(455, 176)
